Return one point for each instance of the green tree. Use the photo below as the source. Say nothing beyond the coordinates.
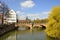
(53, 25)
(44, 20)
(37, 21)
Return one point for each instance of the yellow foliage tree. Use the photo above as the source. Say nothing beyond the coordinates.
(53, 26)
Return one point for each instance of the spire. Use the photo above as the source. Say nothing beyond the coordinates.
(27, 18)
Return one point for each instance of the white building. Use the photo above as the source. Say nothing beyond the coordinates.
(11, 17)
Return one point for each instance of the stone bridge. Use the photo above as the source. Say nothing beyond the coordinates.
(30, 25)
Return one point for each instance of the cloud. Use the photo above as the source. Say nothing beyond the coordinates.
(27, 4)
(22, 15)
(33, 15)
(47, 12)
(19, 12)
(44, 14)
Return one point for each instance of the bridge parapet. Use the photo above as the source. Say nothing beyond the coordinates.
(30, 24)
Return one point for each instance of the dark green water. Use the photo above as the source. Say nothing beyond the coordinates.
(25, 35)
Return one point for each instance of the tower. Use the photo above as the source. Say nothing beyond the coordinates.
(27, 18)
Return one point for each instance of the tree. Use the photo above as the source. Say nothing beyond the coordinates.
(44, 20)
(53, 26)
(3, 9)
(37, 21)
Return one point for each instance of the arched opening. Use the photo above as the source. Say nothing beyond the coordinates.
(23, 27)
(43, 27)
(36, 28)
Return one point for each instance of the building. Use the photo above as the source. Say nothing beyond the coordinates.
(4, 21)
(1, 18)
(11, 17)
(24, 21)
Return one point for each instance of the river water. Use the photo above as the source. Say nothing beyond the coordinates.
(25, 35)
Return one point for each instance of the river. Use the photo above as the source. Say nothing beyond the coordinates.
(25, 35)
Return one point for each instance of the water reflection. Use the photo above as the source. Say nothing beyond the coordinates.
(26, 35)
(9, 36)
(50, 38)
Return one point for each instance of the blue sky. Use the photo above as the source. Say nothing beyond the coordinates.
(32, 8)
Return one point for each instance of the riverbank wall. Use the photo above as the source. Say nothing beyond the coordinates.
(7, 28)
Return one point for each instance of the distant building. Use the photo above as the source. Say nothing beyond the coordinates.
(24, 21)
(11, 17)
(27, 20)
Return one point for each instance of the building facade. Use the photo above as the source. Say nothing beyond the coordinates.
(1, 18)
(11, 17)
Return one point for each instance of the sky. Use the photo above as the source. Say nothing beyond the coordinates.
(32, 9)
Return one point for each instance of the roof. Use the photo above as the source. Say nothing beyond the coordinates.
(12, 11)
